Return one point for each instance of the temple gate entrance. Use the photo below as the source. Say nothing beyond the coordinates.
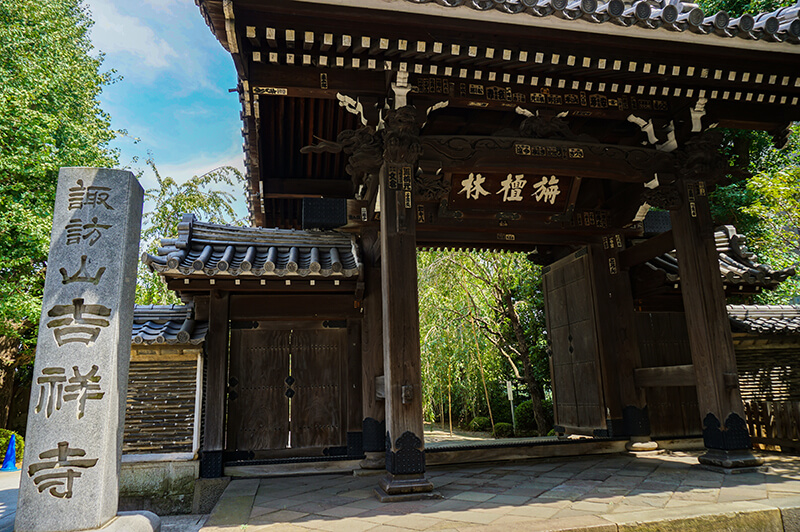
(286, 389)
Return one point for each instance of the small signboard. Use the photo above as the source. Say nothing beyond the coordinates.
(505, 191)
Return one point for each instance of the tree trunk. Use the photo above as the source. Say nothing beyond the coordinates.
(534, 386)
(9, 348)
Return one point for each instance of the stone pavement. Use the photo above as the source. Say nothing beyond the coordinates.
(610, 493)
(9, 482)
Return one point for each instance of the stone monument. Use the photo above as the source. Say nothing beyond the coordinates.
(70, 473)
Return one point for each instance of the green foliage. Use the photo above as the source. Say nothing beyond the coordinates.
(49, 118)
(503, 430)
(466, 337)
(5, 439)
(200, 196)
(523, 415)
(737, 8)
(480, 424)
(766, 207)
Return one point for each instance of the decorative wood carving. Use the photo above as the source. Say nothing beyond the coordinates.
(550, 127)
(367, 148)
(458, 150)
(700, 159)
(664, 197)
(431, 187)
(401, 144)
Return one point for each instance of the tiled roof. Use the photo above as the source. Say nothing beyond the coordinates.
(223, 250)
(166, 324)
(736, 263)
(780, 25)
(765, 319)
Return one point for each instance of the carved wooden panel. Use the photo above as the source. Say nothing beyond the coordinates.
(575, 363)
(258, 409)
(317, 404)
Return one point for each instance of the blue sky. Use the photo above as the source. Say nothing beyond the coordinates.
(173, 97)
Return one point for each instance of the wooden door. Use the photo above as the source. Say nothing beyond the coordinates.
(317, 405)
(664, 341)
(575, 360)
(287, 389)
(258, 409)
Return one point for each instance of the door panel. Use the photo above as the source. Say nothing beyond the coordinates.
(258, 413)
(575, 355)
(317, 360)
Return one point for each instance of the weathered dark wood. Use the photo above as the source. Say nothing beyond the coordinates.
(707, 320)
(374, 409)
(217, 371)
(307, 188)
(570, 313)
(317, 367)
(293, 306)
(682, 375)
(652, 247)
(589, 160)
(664, 342)
(305, 82)
(258, 417)
(401, 352)
(353, 352)
(617, 336)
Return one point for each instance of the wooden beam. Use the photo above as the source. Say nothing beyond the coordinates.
(652, 247)
(374, 423)
(315, 82)
(541, 156)
(682, 375)
(216, 384)
(307, 188)
(246, 307)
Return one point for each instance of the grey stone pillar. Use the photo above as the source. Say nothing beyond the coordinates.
(70, 474)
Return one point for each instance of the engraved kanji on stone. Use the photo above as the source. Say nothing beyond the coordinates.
(473, 186)
(59, 470)
(51, 390)
(55, 389)
(82, 275)
(512, 187)
(80, 196)
(77, 231)
(546, 190)
(83, 387)
(77, 325)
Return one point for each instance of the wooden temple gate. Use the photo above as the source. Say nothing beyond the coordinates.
(514, 125)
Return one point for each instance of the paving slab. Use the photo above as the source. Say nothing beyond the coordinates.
(613, 493)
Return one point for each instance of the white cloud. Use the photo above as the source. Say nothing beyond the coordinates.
(200, 165)
(163, 5)
(118, 33)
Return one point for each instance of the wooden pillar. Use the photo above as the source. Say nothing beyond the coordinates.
(405, 455)
(353, 409)
(374, 409)
(724, 429)
(216, 385)
(619, 346)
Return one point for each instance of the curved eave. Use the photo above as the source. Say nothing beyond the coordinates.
(234, 273)
(551, 22)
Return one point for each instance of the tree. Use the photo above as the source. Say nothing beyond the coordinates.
(49, 117)
(170, 201)
(490, 301)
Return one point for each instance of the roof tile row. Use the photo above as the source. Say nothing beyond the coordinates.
(780, 25)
